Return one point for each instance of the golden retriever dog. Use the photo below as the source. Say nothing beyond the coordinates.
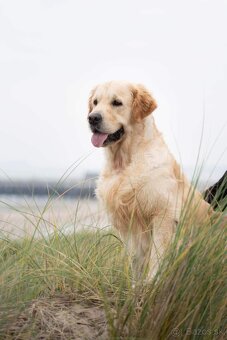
(141, 185)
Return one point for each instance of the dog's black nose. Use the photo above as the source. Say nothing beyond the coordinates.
(95, 119)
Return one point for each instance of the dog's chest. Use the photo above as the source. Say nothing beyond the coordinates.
(116, 190)
(124, 199)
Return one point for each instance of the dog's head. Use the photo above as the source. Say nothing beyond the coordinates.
(114, 108)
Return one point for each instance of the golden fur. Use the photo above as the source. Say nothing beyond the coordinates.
(141, 185)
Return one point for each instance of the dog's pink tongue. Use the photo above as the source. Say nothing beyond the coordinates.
(98, 139)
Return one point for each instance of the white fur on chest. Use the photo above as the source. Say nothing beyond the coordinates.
(140, 185)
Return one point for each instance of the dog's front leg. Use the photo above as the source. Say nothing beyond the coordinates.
(138, 246)
(162, 234)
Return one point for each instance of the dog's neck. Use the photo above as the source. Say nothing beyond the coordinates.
(119, 155)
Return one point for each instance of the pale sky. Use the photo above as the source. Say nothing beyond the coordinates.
(52, 52)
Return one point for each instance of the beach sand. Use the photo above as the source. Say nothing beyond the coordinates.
(20, 216)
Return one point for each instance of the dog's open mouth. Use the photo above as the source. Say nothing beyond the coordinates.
(99, 139)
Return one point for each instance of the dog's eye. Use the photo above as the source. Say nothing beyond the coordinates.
(95, 102)
(116, 102)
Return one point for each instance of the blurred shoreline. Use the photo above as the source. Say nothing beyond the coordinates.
(78, 189)
(84, 188)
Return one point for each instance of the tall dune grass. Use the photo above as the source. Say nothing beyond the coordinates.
(187, 298)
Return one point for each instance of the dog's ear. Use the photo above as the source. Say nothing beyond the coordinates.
(143, 103)
(90, 104)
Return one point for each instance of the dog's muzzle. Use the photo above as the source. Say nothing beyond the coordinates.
(95, 119)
